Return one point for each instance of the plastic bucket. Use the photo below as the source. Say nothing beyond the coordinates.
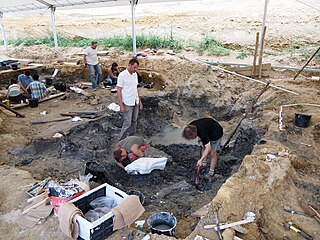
(48, 81)
(302, 120)
(162, 223)
(33, 102)
(137, 193)
(96, 169)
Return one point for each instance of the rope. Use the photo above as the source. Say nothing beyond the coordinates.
(308, 5)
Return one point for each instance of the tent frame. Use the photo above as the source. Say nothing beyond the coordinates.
(44, 4)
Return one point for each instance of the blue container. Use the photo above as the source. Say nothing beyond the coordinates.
(302, 120)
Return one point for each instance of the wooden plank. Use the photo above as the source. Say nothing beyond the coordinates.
(255, 55)
(248, 73)
(265, 66)
(21, 105)
(11, 110)
(35, 66)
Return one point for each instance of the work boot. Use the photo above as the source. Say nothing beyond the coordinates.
(210, 174)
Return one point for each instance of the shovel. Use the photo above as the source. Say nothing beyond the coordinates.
(197, 180)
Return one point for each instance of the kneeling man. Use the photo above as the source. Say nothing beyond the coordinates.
(129, 149)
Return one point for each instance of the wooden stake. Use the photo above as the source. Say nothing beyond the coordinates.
(261, 51)
(306, 63)
(255, 56)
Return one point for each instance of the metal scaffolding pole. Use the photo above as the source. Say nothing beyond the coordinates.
(3, 32)
(134, 37)
(56, 47)
(263, 27)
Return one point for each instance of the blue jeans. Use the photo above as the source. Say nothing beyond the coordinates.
(95, 74)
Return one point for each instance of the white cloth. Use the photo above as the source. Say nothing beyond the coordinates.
(113, 106)
(146, 165)
(128, 82)
(91, 55)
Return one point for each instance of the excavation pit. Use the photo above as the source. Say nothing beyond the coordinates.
(171, 190)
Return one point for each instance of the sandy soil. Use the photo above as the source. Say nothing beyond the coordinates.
(259, 186)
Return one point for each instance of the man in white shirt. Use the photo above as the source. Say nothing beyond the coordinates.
(129, 99)
(90, 59)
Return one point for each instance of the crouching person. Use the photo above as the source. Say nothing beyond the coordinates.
(38, 89)
(128, 150)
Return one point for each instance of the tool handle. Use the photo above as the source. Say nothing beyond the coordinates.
(305, 236)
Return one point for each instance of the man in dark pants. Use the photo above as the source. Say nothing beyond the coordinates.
(129, 99)
(210, 133)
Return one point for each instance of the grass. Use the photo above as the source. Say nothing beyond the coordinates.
(304, 52)
(118, 42)
(211, 46)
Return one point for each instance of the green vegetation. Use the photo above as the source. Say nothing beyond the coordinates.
(304, 52)
(242, 55)
(118, 42)
(211, 45)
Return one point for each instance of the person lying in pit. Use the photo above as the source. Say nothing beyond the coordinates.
(128, 150)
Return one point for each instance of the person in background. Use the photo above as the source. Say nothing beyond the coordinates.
(90, 60)
(15, 94)
(210, 133)
(113, 73)
(129, 149)
(38, 89)
(129, 99)
(24, 80)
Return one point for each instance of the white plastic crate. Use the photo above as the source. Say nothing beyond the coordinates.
(102, 227)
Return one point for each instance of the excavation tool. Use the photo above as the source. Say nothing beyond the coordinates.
(292, 211)
(310, 211)
(217, 229)
(197, 180)
(248, 218)
(293, 227)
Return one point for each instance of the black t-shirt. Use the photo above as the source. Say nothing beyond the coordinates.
(208, 130)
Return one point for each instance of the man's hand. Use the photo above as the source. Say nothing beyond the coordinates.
(141, 105)
(122, 108)
(199, 162)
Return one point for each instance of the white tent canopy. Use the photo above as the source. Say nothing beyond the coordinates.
(9, 6)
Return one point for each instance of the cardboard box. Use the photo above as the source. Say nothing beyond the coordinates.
(102, 227)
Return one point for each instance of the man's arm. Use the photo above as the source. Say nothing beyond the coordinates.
(206, 152)
(140, 102)
(120, 99)
(136, 151)
(120, 165)
(85, 59)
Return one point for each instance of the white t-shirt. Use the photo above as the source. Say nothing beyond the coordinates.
(128, 82)
(92, 55)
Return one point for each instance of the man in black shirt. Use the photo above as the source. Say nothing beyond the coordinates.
(210, 133)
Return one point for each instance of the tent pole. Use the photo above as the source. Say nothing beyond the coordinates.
(3, 32)
(263, 26)
(56, 47)
(134, 39)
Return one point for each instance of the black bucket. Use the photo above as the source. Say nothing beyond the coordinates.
(48, 81)
(137, 193)
(302, 120)
(33, 102)
(96, 169)
(14, 66)
(100, 174)
(162, 223)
